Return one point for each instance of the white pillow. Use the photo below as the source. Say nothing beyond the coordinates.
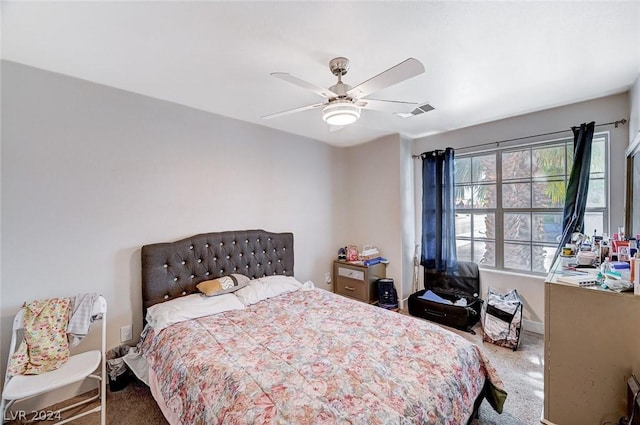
(161, 315)
(267, 287)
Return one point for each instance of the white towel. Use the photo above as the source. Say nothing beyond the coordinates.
(81, 318)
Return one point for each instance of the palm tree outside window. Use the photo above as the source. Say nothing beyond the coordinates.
(509, 202)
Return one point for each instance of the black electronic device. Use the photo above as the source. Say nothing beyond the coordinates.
(387, 294)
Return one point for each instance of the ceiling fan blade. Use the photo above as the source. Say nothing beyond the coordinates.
(402, 71)
(291, 111)
(304, 84)
(387, 105)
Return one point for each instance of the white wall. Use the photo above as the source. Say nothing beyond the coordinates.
(91, 173)
(603, 110)
(409, 237)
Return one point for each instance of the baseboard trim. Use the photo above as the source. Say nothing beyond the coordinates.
(531, 326)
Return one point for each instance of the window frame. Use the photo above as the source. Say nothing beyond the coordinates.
(499, 210)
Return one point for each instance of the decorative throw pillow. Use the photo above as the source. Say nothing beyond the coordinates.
(222, 285)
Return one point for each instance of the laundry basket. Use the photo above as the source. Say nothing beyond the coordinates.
(501, 318)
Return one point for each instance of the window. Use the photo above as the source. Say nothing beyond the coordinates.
(509, 203)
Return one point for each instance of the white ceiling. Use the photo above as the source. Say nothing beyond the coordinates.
(484, 60)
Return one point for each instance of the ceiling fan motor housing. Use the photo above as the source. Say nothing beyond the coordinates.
(339, 66)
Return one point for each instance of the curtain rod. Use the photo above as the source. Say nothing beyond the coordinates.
(616, 123)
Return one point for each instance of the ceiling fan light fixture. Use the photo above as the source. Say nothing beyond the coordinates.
(341, 113)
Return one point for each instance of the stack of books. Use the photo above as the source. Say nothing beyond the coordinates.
(369, 252)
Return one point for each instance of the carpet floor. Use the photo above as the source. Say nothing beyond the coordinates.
(522, 374)
(521, 371)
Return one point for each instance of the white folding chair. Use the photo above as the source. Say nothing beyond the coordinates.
(78, 368)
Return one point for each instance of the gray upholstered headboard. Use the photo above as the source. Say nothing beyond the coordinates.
(173, 269)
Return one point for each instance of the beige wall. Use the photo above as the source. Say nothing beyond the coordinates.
(634, 112)
(603, 110)
(381, 205)
(374, 215)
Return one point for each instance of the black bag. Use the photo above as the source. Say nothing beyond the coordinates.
(451, 299)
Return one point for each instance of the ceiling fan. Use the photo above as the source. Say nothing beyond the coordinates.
(343, 103)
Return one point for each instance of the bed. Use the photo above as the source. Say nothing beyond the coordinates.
(290, 353)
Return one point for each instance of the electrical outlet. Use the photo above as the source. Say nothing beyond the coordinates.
(126, 334)
(327, 277)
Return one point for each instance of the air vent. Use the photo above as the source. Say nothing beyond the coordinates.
(421, 109)
(425, 107)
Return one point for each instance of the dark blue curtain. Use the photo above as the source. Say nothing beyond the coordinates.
(575, 202)
(438, 211)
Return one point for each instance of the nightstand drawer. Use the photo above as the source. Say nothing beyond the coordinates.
(351, 273)
(352, 288)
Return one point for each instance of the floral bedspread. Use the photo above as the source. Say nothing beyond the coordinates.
(313, 357)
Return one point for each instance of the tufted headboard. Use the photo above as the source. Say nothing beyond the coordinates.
(173, 269)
